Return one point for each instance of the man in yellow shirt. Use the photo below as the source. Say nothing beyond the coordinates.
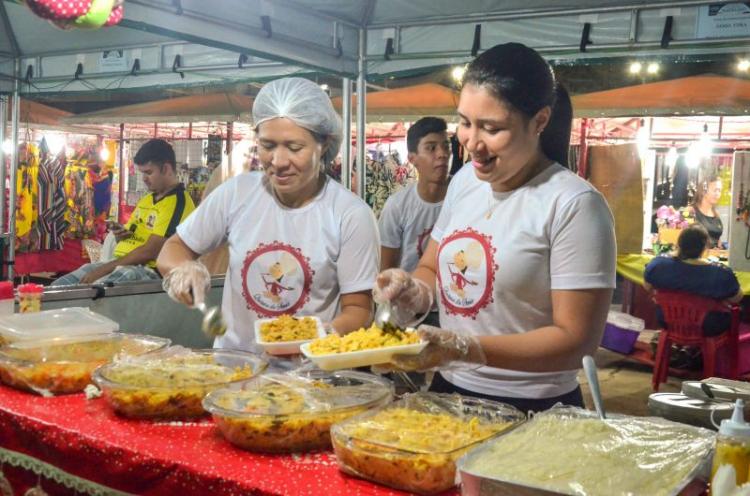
(154, 219)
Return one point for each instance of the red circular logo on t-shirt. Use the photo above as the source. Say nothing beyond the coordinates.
(466, 272)
(276, 279)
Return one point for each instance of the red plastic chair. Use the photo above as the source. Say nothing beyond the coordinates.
(684, 314)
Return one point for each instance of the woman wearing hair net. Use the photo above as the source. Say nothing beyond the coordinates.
(299, 242)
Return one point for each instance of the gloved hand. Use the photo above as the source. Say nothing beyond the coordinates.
(188, 283)
(408, 295)
(446, 350)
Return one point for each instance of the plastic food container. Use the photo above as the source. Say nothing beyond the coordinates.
(64, 322)
(64, 365)
(30, 297)
(285, 347)
(293, 412)
(171, 383)
(413, 444)
(571, 451)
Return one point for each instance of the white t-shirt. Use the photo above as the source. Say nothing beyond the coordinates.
(495, 275)
(281, 260)
(406, 223)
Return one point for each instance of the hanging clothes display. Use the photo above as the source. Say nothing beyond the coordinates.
(79, 189)
(27, 189)
(51, 202)
(385, 177)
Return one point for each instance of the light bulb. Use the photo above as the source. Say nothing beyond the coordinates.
(104, 154)
(743, 65)
(8, 147)
(653, 68)
(635, 68)
(55, 143)
(458, 73)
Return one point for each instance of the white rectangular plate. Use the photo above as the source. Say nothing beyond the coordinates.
(353, 359)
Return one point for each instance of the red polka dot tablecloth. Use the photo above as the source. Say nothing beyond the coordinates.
(86, 439)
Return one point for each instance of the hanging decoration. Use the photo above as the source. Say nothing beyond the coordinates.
(78, 14)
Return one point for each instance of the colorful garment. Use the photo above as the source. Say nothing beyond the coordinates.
(51, 203)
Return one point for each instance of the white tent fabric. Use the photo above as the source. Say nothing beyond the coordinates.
(282, 37)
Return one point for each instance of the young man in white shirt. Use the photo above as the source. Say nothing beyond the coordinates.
(408, 216)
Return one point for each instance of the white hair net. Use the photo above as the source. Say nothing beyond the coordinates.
(306, 104)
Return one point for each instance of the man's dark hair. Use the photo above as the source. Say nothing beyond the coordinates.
(692, 241)
(157, 151)
(422, 128)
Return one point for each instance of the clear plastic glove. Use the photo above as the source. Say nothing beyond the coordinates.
(188, 283)
(408, 295)
(446, 350)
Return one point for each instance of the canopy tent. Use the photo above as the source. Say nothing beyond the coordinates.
(412, 101)
(713, 95)
(194, 108)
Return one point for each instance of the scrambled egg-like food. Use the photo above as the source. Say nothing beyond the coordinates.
(282, 424)
(638, 455)
(288, 328)
(62, 368)
(172, 388)
(407, 449)
(362, 339)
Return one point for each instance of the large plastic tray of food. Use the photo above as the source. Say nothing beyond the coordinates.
(571, 451)
(171, 383)
(293, 412)
(413, 444)
(65, 365)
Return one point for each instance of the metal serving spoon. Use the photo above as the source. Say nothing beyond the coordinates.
(213, 323)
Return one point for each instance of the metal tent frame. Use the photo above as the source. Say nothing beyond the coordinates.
(174, 43)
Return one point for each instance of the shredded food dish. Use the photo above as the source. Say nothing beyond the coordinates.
(170, 388)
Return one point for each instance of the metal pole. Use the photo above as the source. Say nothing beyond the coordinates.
(361, 98)
(123, 174)
(346, 139)
(3, 169)
(13, 170)
(583, 150)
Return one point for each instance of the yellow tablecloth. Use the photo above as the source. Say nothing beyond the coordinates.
(631, 268)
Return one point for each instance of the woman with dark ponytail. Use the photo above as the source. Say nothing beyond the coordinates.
(534, 243)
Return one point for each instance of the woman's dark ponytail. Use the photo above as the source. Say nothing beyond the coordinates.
(555, 139)
(521, 77)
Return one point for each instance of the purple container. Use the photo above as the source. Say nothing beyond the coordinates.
(619, 339)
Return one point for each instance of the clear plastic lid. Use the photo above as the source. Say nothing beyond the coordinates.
(71, 321)
(300, 393)
(430, 423)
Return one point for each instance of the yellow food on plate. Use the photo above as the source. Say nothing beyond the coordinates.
(170, 388)
(288, 328)
(55, 378)
(408, 449)
(362, 339)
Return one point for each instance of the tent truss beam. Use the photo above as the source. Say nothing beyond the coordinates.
(221, 33)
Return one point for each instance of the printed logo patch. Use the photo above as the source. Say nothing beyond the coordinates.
(276, 279)
(466, 272)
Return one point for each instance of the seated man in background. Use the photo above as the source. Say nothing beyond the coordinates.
(154, 219)
(687, 271)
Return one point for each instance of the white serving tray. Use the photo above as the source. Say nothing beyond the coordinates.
(364, 358)
(285, 347)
